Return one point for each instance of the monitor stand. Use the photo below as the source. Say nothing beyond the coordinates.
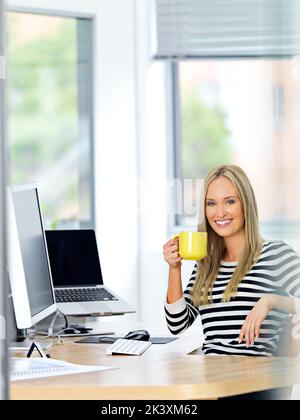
(17, 338)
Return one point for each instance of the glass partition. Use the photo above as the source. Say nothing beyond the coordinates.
(3, 344)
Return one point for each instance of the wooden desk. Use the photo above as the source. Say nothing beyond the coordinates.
(162, 372)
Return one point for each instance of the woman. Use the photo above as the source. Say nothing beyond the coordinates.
(246, 287)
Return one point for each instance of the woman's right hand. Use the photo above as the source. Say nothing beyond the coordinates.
(171, 254)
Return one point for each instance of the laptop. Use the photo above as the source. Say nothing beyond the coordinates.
(77, 276)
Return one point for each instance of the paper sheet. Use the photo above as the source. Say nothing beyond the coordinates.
(23, 368)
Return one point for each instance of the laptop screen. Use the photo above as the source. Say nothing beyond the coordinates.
(74, 258)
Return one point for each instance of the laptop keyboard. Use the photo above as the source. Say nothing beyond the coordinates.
(83, 295)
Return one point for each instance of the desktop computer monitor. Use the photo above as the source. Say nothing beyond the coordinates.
(28, 262)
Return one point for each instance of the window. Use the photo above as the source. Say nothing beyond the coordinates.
(50, 113)
(243, 111)
(235, 70)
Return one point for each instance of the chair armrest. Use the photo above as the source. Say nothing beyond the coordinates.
(289, 344)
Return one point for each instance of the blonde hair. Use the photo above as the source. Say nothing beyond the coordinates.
(208, 268)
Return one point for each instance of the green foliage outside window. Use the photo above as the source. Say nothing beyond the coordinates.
(43, 115)
(205, 136)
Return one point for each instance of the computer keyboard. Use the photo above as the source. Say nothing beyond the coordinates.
(83, 295)
(123, 346)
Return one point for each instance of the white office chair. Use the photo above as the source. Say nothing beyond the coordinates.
(289, 346)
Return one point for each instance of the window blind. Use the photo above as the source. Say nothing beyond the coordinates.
(227, 28)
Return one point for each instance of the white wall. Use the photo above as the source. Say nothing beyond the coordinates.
(152, 134)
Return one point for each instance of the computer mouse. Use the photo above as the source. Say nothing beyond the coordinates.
(141, 335)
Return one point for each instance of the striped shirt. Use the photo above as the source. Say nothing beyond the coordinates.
(277, 271)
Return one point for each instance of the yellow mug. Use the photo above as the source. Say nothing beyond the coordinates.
(192, 245)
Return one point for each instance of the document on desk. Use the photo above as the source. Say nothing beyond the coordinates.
(24, 368)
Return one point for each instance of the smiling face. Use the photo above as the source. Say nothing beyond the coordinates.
(223, 208)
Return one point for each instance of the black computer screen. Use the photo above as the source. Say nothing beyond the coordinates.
(33, 250)
(74, 258)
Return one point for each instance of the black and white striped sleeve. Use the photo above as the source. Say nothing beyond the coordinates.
(181, 314)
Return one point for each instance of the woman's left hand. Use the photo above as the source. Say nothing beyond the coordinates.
(251, 327)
